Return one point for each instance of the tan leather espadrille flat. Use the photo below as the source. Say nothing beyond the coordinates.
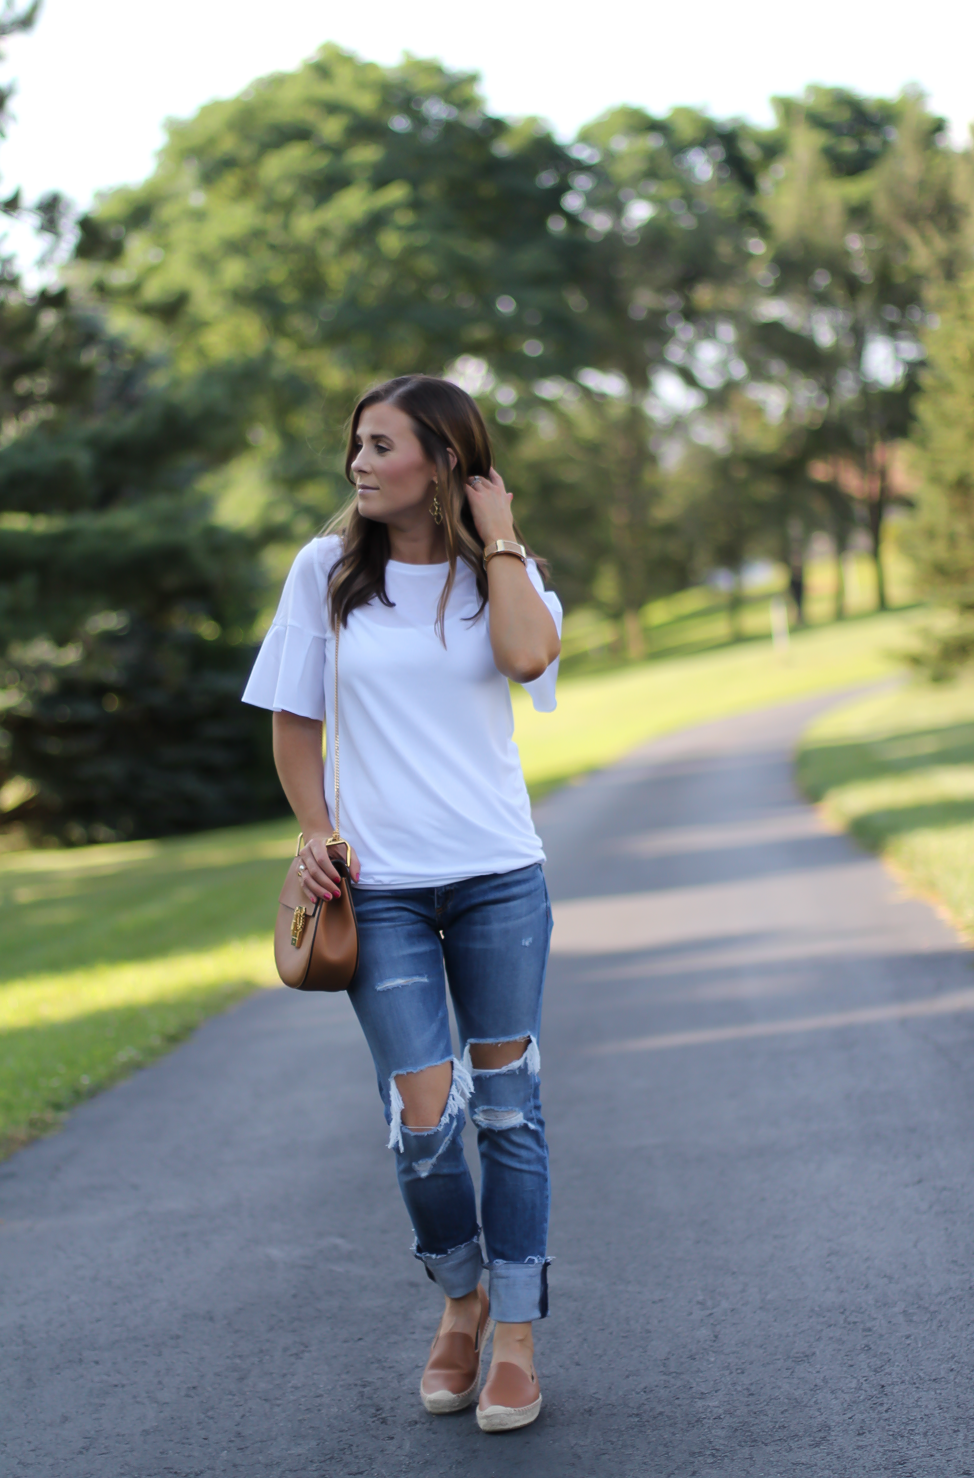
(452, 1371)
(510, 1398)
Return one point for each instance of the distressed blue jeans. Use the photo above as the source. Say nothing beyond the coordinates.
(488, 937)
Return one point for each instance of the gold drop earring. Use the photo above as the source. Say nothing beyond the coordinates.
(436, 512)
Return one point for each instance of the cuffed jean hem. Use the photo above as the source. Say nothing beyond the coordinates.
(518, 1291)
(458, 1271)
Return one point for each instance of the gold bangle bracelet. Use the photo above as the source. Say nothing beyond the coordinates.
(505, 546)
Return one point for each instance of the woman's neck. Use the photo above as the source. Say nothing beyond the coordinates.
(419, 544)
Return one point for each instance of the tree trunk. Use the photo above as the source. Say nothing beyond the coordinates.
(795, 554)
(796, 588)
(633, 628)
(877, 510)
(839, 613)
(877, 488)
(881, 602)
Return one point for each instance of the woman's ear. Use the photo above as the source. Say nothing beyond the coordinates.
(453, 458)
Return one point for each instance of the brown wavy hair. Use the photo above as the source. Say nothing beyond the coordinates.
(445, 418)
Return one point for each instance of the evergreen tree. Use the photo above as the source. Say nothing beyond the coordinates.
(126, 610)
(941, 538)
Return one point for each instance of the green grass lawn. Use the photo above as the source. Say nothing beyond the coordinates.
(898, 771)
(699, 619)
(110, 954)
(601, 717)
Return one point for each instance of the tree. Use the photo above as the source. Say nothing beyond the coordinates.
(591, 496)
(734, 494)
(125, 608)
(337, 225)
(941, 537)
(347, 222)
(664, 201)
(864, 208)
(14, 17)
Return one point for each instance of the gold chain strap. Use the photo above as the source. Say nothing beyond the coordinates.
(336, 837)
(338, 820)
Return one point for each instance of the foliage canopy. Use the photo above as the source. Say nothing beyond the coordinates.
(696, 342)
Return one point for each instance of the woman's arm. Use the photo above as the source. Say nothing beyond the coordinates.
(301, 770)
(523, 635)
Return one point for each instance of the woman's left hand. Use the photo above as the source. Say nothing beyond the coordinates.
(490, 504)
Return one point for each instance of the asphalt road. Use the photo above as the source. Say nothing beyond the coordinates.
(759, 1083)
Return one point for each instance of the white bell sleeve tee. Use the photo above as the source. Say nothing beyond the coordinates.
(431, 783)
(289, 672)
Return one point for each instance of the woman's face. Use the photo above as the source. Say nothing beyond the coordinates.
(393, 475)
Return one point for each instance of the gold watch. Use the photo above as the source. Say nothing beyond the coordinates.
(505, 546)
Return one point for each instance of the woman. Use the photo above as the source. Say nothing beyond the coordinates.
(436, 605)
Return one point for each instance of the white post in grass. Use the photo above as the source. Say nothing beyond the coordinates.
(780, 635)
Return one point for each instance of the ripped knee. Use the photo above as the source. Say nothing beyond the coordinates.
(424, 1094)
(505, 1083)
(489, 1056)
(427, 1101)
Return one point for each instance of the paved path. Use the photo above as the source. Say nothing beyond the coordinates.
(764, 1192)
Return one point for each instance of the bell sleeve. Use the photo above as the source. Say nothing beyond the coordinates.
(542, 689)
(289, 672)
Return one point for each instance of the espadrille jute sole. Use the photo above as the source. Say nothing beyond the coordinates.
(441, 1402)
(506, 1418)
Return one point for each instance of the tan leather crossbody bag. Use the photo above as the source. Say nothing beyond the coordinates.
(316, 940)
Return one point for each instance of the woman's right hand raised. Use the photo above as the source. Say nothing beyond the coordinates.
(319, 875)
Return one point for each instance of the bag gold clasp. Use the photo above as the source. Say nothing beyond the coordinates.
(298, 922)
(339, 841)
